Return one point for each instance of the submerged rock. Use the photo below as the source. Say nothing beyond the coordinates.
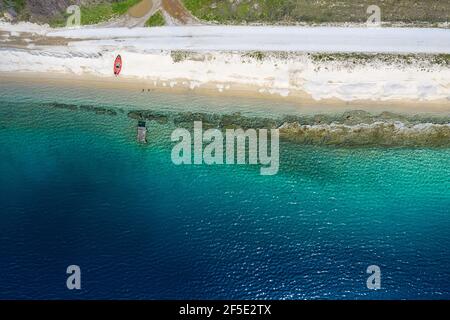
(99, 110)
(351, 128)
(62, 105)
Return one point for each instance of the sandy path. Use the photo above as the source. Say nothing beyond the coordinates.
(141, 9)
(173, 11)
(176, 10)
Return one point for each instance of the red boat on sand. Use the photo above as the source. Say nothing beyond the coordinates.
(117, 65)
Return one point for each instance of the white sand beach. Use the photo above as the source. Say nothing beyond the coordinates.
(277, 62)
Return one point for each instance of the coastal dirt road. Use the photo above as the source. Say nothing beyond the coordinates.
(266, 38)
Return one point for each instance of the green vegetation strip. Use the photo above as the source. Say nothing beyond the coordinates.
(318, 11)
(362, 58)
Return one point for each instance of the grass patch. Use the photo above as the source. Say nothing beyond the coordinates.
(155, 20)
(179, 55)
(121, 7)
(257, 55)
(96, 14)
(58, 22)
(17, 5)
(105, 11)
(442, 59)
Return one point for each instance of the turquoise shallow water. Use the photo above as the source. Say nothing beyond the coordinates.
(76, 188)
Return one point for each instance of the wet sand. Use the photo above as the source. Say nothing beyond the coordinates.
(299, 99)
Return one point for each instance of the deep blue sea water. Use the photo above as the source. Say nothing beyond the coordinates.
(76, 188)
